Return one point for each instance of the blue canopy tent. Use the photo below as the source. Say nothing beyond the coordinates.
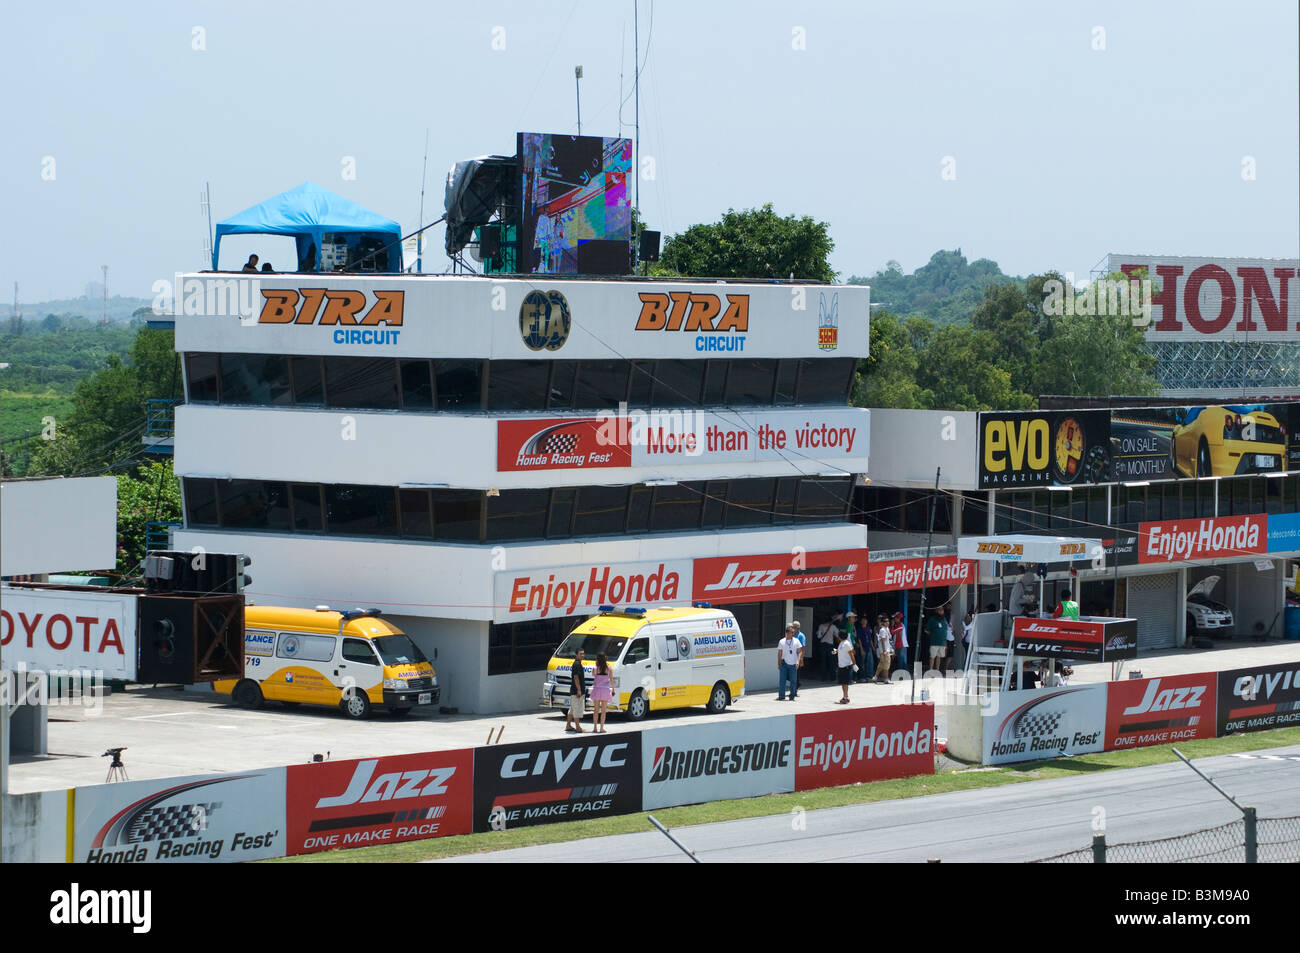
(331, 233)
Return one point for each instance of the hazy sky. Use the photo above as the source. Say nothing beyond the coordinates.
(847, 111)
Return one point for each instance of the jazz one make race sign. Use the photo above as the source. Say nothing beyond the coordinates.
(379, 800)
(1157, 711)
(53, 630)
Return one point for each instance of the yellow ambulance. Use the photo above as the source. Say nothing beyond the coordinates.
(354, 660)
(659, 658)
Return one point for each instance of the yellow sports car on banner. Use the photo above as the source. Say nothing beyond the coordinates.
(1227, 441)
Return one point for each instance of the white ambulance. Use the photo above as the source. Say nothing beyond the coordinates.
(660, 658)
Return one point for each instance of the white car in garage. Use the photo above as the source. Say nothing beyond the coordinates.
(1204, 615)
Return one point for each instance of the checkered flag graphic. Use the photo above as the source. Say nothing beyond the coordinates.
(1039, 723)
(552, 440)
(170, 823)
(560, 443)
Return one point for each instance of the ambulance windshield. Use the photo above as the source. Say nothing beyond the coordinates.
(398, 650)
(592, 643)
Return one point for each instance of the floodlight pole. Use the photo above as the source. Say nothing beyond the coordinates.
(577, 89)
(925, 578)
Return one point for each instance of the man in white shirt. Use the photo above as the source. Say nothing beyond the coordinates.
(789, 656)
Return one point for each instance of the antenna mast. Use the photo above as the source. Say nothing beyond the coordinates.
(419, 238)
(636, 111)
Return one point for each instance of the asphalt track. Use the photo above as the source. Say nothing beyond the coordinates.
(1010, 823)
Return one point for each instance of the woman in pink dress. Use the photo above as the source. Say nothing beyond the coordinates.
(602, 692)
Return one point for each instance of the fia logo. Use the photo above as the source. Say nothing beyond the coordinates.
(544, 320)
(828, 321)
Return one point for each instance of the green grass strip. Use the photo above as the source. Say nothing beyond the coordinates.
(959, 779)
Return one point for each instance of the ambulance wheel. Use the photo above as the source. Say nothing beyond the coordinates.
(637, 706)
(718, 699)
(247, 694)
(355, 704)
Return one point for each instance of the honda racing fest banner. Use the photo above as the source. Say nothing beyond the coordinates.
(552, 781)
(60, 630)
(1045, 723)
(1080, 447)
(864, 744)
(524, 594)
(1086, 640)
(1255, 699)
(511, 318)
(838, 435)
(230, 817)
(1158, 711)
(1216, 299)
(716, 762)
(359, 803)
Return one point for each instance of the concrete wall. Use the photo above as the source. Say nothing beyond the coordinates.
(907, 445)
(58, 525)
(966, 728)
(35, 828)
(338, 446)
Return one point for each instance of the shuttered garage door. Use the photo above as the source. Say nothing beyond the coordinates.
(1153, 601)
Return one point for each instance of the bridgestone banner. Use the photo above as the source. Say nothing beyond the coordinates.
(379, 800)
(568, 779)
(220, 818)
(1157, 711)
(863, 744)
(1045, 723)
(714, 762)
(1254, 699)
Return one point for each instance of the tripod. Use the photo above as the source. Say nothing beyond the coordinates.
(116, 770)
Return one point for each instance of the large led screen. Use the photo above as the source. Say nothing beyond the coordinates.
(576, 216)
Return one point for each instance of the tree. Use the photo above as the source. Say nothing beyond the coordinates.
(152, 495)
(1095, 355)
(887, 378)
(755, 243)
(107, 420)
(961, 369)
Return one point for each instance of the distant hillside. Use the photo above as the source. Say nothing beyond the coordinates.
(947, 289)
(119, 308)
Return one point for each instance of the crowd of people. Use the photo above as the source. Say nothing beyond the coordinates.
(848, 648)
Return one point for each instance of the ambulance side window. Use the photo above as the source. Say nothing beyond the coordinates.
(358, 650)
(669, 648)
(638, 651)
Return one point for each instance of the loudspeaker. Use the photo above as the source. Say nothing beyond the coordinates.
(649, 245)
(189, 639)
(200, 573)
(489, 241)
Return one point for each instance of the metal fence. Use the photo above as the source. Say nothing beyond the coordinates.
(1267, 840)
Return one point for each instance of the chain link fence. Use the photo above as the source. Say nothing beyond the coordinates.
(1276, 841)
